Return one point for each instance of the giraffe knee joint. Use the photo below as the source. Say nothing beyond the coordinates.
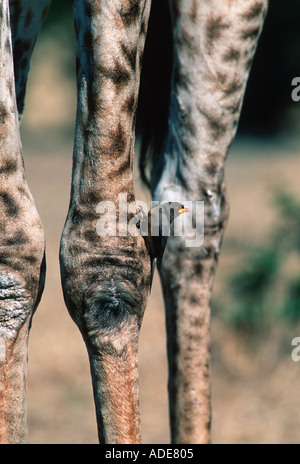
(16, 302)
(216, 207)
(111, 306)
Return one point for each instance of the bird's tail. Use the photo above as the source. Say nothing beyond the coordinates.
(153, 266)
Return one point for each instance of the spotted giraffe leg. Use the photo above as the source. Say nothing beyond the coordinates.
(27, 17)
(214, 43)
(106, 278)
(22, 266)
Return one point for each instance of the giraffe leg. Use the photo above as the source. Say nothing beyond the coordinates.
(106, 276)
(214, 43)
(22, 264)
(27, 17)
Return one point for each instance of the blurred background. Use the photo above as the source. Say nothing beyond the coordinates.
(256, 304)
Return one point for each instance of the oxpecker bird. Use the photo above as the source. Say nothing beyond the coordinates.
(156, 226)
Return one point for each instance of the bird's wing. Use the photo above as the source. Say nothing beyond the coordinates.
(163, 244)
(158, 223)
(153, 265)
(143, 226)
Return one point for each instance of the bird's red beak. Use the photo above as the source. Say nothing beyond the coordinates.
(184, 210)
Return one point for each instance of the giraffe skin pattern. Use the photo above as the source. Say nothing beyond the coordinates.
(106, 280)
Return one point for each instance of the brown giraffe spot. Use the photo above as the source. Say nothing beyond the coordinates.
(233, 87)
(198, 268)
(232, 54)
(9, 167)
(186, 40)
(194, 11)
(7, 45)
(254, 11)
(130, 16)
(214, 30)
(211, 164)
(28, 18)
(91, 236)
(118, 75)
(130, 55)
(248, 64)
(12, 209)
(116, 143)
(77, 217)
(234, 107)
(144, 27)
(217, 128)
(122, 167)
(3, 113)
(18, 239)
(198, 321)
(251, 33)
(129, 105)
(188, 122)
(93, 197)
(31, 259)
(222, 77)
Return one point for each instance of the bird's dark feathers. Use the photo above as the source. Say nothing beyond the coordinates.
(156, 226)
